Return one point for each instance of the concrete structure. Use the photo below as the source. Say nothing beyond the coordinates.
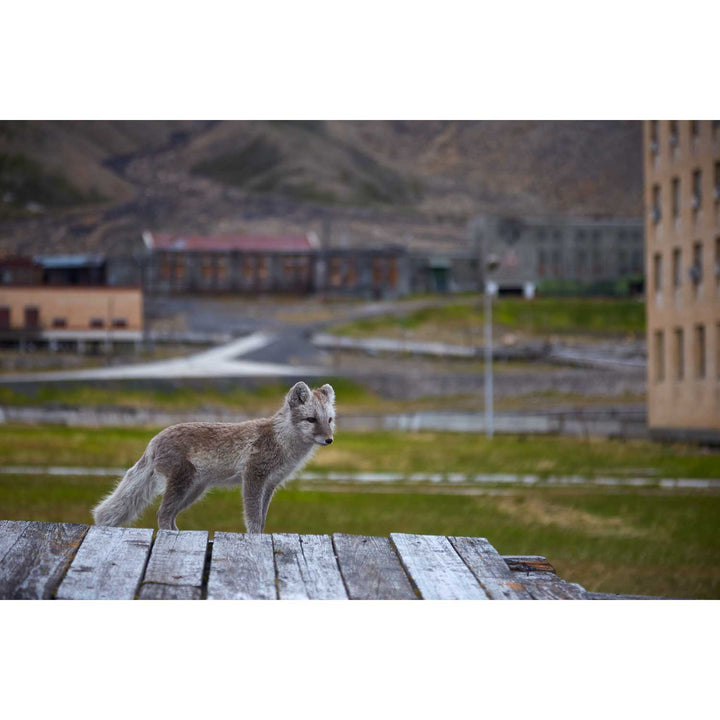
(682, 198)
(536, 249)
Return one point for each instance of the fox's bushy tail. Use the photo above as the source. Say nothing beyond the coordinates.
(131, 496)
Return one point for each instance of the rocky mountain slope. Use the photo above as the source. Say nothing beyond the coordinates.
(71, 186)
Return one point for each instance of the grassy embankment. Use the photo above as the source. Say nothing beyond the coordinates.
(646, 541)
(461, 322)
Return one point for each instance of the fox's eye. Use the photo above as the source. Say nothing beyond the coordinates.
(330, 420)
(311, 420)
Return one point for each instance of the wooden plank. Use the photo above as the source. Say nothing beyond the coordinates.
(176, 566)
(152, 591)
(545, 586)
(109, 564)
(10, 533)
(242, 568)
(490, 569)
(436, 569)
(613, 596)
(528, 563)
(371, 568)
(307, 568)
(32, 568)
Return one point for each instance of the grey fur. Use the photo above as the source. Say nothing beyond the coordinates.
(186, 460)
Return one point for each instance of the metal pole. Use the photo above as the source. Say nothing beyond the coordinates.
(489, 428)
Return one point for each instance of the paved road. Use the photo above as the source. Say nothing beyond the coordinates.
(217, 362)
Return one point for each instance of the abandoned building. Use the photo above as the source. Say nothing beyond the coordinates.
(252, 265)
(532, 251)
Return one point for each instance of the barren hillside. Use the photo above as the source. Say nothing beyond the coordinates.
(94, 185)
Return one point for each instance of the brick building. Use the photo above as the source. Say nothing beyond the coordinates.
(682, 199)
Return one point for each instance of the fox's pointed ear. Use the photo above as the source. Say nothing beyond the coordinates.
(299, 394)
(328, 392)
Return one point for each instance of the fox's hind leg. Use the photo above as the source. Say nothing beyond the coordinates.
(182, 490)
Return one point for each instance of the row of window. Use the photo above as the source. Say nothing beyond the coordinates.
(696, 197)
(699, 353)
(695, 270)
(32, 320)
(591, 235)
(341, 271)
(674, 133)
(550, 263)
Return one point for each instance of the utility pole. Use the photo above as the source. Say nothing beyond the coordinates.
(491, 264)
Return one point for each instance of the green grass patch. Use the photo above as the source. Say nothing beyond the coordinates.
(266, 397)
(541, 316)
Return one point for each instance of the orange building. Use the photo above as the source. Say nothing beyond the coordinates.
(75, 314)
(682, 198)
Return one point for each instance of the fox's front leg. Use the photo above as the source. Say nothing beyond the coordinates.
(253, 488)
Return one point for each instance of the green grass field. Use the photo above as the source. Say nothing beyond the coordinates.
(462, 320)
(645, 541)
(389, 452)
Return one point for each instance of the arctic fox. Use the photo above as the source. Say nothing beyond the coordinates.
(185, 460)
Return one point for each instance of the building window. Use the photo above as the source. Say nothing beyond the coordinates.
(179, 269)
(696, 267)
(59, 322)
(674, 137)
(4, 318)
(32, 317)
(695, 129)
(542, 261)
(659, 356)
(378, 274)
(165, 270)
(334, 274)
(717, 182)
(697, 190)
(262, 268)
(119, 322)
(717, 350)
(679, 354)
(677, 267)
(657, 272)
(556, 262)
(699, 351)
(676, 197)
(636, 261)
(351, 274)
(223, 267)
(288, 269)
(392, 272)
(654, 144)
(623, 266)
(97, 322)
(248, 269)
(207, 267)
(656, 212)
(580, 261)
(717, 262)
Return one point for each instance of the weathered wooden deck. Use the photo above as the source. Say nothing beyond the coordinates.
(76, 562)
